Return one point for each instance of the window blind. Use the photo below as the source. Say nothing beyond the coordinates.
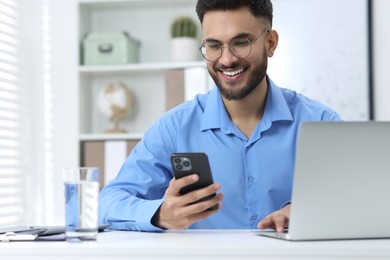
(12, 117)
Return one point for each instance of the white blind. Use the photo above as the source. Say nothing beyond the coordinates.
(12, 117)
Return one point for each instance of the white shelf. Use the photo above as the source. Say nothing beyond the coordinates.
(138, 67)
(110, 137)
(109, 3)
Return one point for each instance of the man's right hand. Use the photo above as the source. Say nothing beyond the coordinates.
(178, 212)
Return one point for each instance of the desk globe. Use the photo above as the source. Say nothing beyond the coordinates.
(115, 102)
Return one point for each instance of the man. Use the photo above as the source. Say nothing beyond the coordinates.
(246, 125)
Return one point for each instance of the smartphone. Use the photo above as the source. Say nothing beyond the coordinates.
(184, 164)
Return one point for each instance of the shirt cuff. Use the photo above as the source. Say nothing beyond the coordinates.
(141, 218)
(285, 204)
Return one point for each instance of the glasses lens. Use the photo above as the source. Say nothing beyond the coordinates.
(211, 51)
(240, 47)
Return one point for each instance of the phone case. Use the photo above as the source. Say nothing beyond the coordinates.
(184, 164)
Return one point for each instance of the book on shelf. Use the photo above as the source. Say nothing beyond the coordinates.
(184, 84)
(107, 155)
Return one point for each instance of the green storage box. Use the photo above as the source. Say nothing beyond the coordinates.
(110, 48)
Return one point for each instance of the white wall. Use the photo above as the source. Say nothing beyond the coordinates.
(381, 45)
(315, 55)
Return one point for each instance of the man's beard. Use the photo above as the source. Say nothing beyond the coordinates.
(239, 93)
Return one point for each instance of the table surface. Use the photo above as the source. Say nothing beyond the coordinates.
(195, 244)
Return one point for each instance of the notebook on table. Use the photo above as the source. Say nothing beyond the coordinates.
(37, 233)
(341, 186)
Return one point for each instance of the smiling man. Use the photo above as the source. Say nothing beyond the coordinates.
(246, 124)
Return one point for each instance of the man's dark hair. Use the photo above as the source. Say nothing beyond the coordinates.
(259, 8)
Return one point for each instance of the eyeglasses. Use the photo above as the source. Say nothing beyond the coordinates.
(239, 47)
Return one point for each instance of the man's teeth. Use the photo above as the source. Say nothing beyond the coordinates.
(233, 73)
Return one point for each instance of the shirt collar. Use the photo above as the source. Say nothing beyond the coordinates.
(276, 107)
(216, 116)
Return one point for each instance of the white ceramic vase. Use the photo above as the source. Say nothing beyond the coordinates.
(184, 49)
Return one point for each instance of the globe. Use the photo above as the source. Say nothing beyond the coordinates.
(115, 102)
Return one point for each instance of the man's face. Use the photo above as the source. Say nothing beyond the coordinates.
(236, 77)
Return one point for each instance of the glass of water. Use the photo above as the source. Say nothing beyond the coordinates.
(81, 203)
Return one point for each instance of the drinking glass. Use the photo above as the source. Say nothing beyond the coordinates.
(81, 203)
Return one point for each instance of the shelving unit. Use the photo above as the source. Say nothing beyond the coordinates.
(148, 21)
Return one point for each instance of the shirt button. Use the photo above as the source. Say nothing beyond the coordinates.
(251, 179)
(254, 216)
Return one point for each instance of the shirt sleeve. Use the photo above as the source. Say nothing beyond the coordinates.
(331, 116)
(129, 201)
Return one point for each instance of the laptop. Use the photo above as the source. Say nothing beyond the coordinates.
(341, 186)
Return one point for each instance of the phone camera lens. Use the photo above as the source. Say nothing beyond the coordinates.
(186, 163)
(177, 160)
(179, 167)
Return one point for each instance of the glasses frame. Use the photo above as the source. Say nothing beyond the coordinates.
(266, 30)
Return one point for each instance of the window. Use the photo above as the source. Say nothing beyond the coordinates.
(13, 118)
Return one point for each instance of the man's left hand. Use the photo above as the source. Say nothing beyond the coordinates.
(278, 219)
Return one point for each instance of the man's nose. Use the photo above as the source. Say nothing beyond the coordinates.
(227, 57)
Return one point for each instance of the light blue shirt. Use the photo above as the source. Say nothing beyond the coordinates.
(255, 174)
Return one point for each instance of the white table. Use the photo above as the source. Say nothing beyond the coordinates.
(195, 244)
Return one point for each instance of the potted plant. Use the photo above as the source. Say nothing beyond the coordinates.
(184, 43)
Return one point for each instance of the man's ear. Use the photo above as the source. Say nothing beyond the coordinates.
(272, 42)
